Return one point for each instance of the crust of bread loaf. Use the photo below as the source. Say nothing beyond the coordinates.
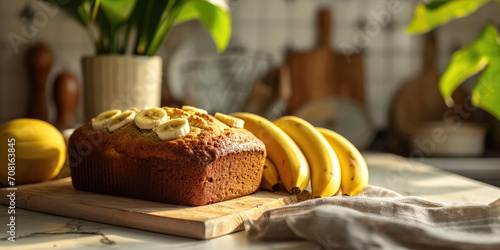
(212, 163)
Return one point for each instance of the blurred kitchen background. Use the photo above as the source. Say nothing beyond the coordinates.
(271, 68)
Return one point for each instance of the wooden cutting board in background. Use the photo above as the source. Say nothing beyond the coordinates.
(419, 101)
(202, 222)
(323, 72)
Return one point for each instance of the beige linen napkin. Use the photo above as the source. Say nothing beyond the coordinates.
(381, 219)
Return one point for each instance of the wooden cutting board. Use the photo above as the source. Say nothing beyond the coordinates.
(202, 222)
(323, 72)
(419, 101)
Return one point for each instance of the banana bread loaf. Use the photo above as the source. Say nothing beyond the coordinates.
(210, 163)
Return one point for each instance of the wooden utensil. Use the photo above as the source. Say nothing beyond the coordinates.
(66, 95)
(202, 222)
(39, 62)
(349, 77)
(418, 101)
(323, 72)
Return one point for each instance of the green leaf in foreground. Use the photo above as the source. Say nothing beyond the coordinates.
(484, 53)
(436, 13)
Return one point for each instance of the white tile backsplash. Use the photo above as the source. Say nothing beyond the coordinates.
(374, 4)
(248, 37)
(276, 10)
(402, 11)
(241, 9)
(375, 67)
(342, 10)
(303, 10)
(405, 67)
(278, 38)
(304, 37)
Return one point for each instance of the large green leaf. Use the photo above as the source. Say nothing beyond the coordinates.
(484, 53)
(436, 13)
(214, 14)
(147, 18)
(104, 39)
(117, 11)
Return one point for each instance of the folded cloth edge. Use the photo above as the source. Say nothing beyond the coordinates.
(257, 230)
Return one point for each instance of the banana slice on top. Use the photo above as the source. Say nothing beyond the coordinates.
(173, 129)
(121, 120)
(102, 120)
(194, 109)
(231, 121)
(150, 118)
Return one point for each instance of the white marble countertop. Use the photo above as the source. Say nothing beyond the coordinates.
(45, 231)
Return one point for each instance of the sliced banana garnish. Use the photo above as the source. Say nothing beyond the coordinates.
(194, 109)
(173, 129)
(151, 118)
(121, 120)
(231, 121)
(103, 119)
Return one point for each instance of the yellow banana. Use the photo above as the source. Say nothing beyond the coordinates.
(323, 162)
(281, 149)
(352, 165)
(270, 180)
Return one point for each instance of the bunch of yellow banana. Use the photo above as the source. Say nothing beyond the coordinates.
(289, 160)
(298, 152)
(352, 164)
(323, 162)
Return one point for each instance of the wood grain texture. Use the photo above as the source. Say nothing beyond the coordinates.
(419, 101)
(202, 222)
(39, 61)
(323, 72)
(66, 92)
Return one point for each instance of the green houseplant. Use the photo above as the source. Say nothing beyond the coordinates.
(482, 55)
(127, 34)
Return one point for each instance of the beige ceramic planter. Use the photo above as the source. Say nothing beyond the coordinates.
(121, 82)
